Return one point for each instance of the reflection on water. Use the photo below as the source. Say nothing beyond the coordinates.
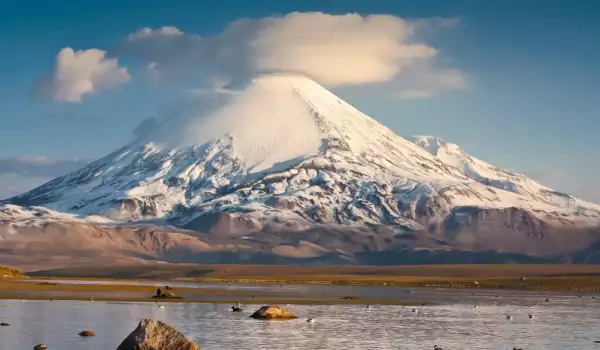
(565, 322)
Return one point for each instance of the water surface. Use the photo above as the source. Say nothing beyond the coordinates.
(564, 322)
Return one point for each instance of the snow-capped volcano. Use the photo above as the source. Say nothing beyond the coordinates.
(287, 154)
(280, 135)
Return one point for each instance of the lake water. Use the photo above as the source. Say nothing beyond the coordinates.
(567, 321)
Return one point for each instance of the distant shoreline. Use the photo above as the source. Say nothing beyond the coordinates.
(558, 278)
(19, 289)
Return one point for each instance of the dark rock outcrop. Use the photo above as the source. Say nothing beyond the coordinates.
(156, 335)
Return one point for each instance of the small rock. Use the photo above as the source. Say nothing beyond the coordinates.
(154, 335)
(86, 334)
(166, 295)
(272, 312)
(40, 347)
(3, 324)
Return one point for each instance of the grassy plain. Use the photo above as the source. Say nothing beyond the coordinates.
(584, 278)
(574, 278)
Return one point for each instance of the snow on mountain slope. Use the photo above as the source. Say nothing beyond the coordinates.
(495, 177)
(286, 150)
(39, 215)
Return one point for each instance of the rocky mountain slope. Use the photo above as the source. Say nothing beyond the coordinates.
(284, 161)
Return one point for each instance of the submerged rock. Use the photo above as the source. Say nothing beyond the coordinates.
(272, 312)
(156, 335)
(86, 334)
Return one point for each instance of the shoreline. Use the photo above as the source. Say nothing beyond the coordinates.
(582, 284)
(537, 278)
(551, 284)
(123, 292)
(323, 301)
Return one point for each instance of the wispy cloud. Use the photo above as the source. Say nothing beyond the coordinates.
(39, 166)
(426, 81)
(13, 184)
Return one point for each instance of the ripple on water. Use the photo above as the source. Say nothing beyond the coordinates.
(567, 322)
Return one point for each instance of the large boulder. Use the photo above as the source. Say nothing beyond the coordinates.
(272, 312)
(156, 335)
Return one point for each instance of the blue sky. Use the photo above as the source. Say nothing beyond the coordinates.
(529, 103)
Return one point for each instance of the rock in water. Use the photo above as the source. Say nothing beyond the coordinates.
(87, 334)
(156, 335)
(40, 347)
(272, 312)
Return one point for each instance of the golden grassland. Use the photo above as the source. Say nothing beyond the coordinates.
(8, 272)
(527, 277)
(523, 277)
(575, 278)
(173, 271)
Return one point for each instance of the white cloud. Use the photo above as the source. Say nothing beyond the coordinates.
(82, 72)
(335, 50)
(149, 32)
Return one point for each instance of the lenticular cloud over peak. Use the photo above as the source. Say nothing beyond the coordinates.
(333, 50)
(336, 50)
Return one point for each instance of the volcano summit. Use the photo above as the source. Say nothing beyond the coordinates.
(284, 171)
